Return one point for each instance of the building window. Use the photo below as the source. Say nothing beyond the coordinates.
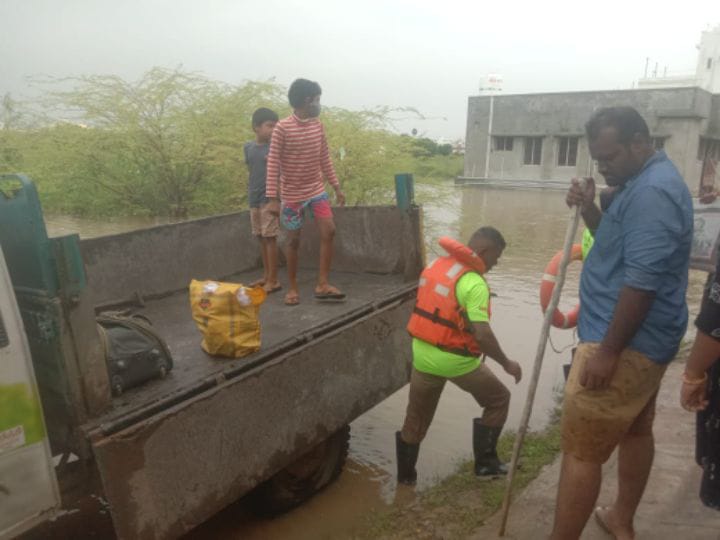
(658, 143)
(714, 150)
(567, 152)
(709, 148)
(533, 150)
(503, 144)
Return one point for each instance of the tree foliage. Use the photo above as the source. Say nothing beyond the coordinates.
(424, 147)
(170, 144)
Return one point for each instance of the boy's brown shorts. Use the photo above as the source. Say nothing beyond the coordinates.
(594, 421)
(263, 223)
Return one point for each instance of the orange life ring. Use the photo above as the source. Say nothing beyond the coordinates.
(560, 319)
(462, 253)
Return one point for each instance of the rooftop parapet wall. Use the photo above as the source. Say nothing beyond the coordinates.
(566, 113)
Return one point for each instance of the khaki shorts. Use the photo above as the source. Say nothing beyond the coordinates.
(264, 223)
(595, 421)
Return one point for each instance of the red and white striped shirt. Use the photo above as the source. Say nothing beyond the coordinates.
(298, 159)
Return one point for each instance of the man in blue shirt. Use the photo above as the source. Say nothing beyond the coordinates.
(632, 318)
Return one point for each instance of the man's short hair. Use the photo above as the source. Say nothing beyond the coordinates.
(300, 90)
(626, 121)
(262, 115)
(491, 234)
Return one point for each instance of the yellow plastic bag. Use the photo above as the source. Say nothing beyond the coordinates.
(227, 315)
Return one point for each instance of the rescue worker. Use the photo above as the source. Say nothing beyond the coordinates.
(450, 326)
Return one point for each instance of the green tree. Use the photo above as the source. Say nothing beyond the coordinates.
(171, 143)
(424, 147)
(162, 145)
(444, 149)
(9, 113)
(10, 156)
(366, 154)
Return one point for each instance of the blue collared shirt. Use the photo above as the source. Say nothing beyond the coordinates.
(643, 242)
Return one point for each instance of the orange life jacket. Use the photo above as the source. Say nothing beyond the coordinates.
(437, 317)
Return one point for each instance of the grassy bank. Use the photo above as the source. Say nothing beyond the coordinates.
(462, 502)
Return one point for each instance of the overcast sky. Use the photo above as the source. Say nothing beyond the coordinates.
(428, 55)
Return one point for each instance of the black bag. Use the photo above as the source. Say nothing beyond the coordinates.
(134, 352)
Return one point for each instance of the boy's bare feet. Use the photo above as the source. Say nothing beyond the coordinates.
(258, 283)
(292, 298)
(272, 286)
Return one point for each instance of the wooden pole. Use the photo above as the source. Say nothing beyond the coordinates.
(542, 343)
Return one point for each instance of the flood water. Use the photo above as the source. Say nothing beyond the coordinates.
(533, 224)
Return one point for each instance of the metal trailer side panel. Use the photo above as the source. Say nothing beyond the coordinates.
(169, 473)
(159, 260)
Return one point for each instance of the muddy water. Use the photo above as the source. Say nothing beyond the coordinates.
(533, 224)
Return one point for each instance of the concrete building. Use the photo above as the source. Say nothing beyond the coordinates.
(538, 139)
(707, 70)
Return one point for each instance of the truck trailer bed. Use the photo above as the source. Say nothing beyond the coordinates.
(175, 451)
(283, 327)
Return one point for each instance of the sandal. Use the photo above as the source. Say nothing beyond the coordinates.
(329, 293)
(601, 521)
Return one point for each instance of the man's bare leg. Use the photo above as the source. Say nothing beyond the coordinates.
(635, 458)
(293, 247)
(577, 493)
(636, 452)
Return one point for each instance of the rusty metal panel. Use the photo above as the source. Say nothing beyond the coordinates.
(172, 471)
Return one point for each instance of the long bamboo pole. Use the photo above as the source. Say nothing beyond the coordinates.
(539, 355)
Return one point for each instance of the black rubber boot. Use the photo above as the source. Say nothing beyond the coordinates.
(407, 455)
(485, 440)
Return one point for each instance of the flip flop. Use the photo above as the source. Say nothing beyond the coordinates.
(332, 293)
(330, 296)
(599, 520)
(292, 299)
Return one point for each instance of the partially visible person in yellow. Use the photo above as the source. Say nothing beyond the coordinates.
(587, 243)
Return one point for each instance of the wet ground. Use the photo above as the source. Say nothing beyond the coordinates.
(670, 508)
(533, 223)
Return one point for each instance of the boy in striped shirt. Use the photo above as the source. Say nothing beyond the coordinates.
(297, 166)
